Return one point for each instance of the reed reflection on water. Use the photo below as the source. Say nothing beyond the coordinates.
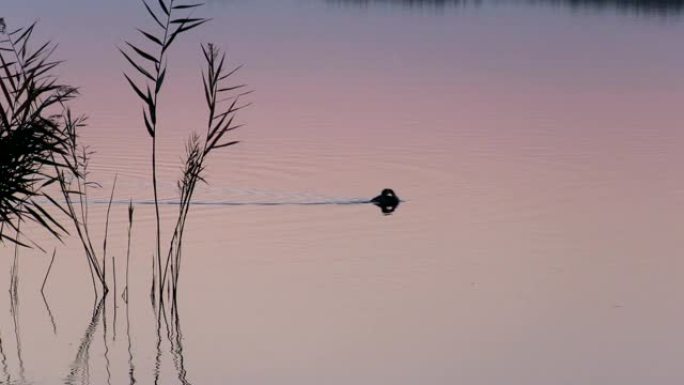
(168, 349)
(97, 367)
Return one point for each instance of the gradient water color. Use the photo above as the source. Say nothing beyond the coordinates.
(537, 146)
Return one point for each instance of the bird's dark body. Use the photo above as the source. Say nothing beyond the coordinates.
(387, 201)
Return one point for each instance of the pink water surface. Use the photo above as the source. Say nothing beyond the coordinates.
(538, 148)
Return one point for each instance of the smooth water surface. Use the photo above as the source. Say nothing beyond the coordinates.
(538, 146)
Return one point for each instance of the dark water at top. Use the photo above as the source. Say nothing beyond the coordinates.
(537, 145)
(640, 6)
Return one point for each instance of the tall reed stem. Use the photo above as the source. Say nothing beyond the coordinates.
(170, 26)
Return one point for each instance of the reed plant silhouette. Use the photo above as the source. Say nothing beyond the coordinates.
(38, 149)
(221, 118)
(74, 186)
(171, 19)
(41, 155)
(33, 136)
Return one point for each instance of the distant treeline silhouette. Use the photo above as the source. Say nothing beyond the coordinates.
(661, 7)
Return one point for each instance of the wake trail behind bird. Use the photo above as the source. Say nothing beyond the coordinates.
(173, 202)
(387, 200)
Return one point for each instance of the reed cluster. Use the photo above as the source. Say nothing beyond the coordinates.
(172, 19)
(33, 135)
(40, 145)
(39, 149)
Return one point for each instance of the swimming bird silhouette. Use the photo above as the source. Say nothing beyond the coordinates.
(387, 201)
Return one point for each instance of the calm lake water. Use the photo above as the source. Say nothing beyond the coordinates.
(538, 146)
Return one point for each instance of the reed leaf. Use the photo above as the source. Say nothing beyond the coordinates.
(153, 14)
(187, 6)
(164, 7)
(151, 37)
(143, 54)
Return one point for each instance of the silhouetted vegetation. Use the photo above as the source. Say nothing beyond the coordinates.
(171, 19)
(34, 138)
(74, 187)
(151, 66)
(40, 146)
(221, 118)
